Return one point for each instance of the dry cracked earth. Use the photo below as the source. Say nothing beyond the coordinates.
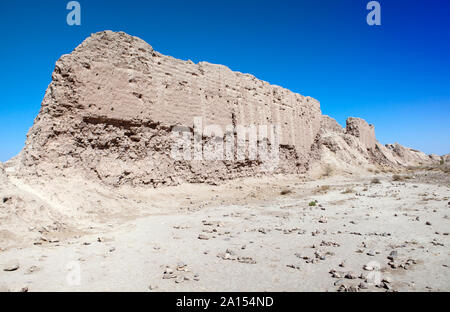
(271, 234)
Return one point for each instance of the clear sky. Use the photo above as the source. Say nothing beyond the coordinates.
(396, 76)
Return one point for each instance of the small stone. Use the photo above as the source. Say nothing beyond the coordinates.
(363, 285)
(371, 253)
(387, 279)
(181, 265)
(393, 265)
(393, 255)
(293, 266)
(168, 276)
(203, 237)
(342, 264)
(229, 251)
(11, 266)
(247, 260)
(168, 271)
(387, 286)
(179, 279)
(351, 275)
(364, 275)
(368, 267)
(336, 275)
(428, 223)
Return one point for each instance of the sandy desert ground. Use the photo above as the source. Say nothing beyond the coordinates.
(285, 233)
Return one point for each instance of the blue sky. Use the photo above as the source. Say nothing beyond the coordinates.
(396, 76)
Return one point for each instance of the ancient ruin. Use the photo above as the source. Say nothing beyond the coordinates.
(113, 101)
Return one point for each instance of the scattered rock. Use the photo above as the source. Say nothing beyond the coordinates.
(179, 279)
(168, 270)
(363, 285)
(203, 237)
(393, 255)
(32, 269)
(11, 266)
(336, 275)
(247, 260)
(351, 275)
(293, 266)
(386, 279)
(387, 286)
(181, 266)
(262, 230)
(331, 244)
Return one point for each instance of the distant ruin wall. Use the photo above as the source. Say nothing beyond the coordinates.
(115, 98)
(363, 131)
